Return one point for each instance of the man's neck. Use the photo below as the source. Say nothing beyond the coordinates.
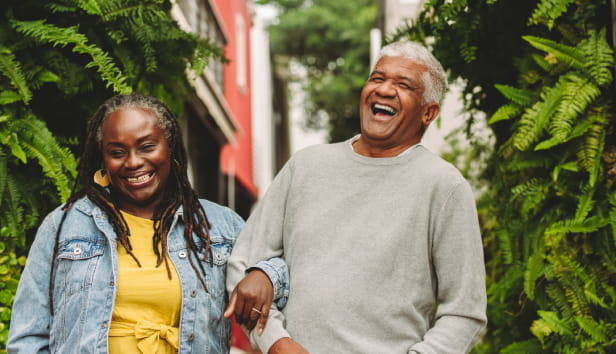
(362, 147)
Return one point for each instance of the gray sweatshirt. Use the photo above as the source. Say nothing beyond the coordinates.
(384, 254)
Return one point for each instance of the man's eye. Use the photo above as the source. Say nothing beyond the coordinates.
(376, 79)
(404, 86)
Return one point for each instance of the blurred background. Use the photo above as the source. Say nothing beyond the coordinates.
(528, 119)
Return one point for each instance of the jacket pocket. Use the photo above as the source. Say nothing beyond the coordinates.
(77, 262)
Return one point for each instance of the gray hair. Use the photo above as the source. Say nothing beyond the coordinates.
(137, 101)
(435, 79)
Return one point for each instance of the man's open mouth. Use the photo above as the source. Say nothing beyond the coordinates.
(378, 108)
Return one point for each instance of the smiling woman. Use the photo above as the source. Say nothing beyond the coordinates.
(132, 209)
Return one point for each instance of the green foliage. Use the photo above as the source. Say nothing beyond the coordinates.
(333, 46)
(548, 212)
(59, 60)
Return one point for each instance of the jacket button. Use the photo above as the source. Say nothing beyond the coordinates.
(111, 283)
(191, 337)
(104, 325)
(77, 251)
(182, 254)
(193, 293)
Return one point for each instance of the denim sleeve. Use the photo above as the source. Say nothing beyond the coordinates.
(30, 317)
(278, 272)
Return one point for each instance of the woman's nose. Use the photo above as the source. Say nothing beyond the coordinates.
(133, 161)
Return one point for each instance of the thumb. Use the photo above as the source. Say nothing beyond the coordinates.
(231, 307)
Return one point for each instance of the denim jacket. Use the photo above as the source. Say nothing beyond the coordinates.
(86, 273)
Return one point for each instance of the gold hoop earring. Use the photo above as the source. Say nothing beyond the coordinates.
(102, 178)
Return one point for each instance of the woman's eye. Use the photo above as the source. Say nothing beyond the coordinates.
(116, 153)
(148, 147)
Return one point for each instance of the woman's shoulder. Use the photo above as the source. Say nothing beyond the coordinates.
(222, 218)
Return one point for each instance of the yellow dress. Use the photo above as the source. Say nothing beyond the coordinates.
(147, 309)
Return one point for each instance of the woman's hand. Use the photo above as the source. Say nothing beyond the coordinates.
(251, 300)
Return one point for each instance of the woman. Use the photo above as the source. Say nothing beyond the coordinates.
(133, 262)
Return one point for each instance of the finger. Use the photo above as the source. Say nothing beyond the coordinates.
(250, 324)
(263, 319)
(254, 313)
(231, 307)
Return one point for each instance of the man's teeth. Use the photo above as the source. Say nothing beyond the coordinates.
(384, 108)
(138, 179)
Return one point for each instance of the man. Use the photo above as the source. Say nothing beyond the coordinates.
(381, 236)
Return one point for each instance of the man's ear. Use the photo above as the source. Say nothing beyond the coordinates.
(430, 113)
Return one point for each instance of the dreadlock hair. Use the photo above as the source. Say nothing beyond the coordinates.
(178, 191)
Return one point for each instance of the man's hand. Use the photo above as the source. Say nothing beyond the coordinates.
(251, 300)
(287, 346)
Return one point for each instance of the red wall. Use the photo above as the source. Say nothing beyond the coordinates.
(238, 158)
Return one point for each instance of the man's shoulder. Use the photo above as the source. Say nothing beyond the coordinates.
(437, 167)
(318, 152)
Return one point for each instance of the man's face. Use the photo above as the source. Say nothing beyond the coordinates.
(392, 115)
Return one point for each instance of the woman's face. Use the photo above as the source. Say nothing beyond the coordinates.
(138, 159)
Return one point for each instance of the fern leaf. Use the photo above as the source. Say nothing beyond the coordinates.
(599, 58)
(10, 67)
(530, 346)
(4, 172)
(548, 11)
(536, 118)
(505, 112)
(534, 269)
(589, 152)
(519, 96)
(595, 330)
(577, 94)
(569, 55)
(54, 35)
(554, 322)
(532, 193)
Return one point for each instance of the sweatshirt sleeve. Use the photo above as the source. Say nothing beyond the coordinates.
(29, 333)
(262, 239)
(457, 256)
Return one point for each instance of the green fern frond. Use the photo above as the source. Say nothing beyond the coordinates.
(591, 327)
(547, 11)
(554, 322)
(530, 346)
(571, 56)
(11, 68)
(586, 203)
(535, 119)
(588, 225)
(4, 172)
(504, 246)
(11, 208)
(534, 269)
(521, 97)
(505, 112)
(47, 33)
(599, 57)
(577, 94)
(558, 298)
(507, 284)
(532, 193)
(55, 161)
(590, 150)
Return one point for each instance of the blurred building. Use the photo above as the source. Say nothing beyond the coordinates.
(236, 124)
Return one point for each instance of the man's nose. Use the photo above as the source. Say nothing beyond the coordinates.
(386, 89)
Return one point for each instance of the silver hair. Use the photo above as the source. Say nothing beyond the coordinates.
(435, 79)
(137, 101)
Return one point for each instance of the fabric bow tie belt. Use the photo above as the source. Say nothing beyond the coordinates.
(148, 334)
